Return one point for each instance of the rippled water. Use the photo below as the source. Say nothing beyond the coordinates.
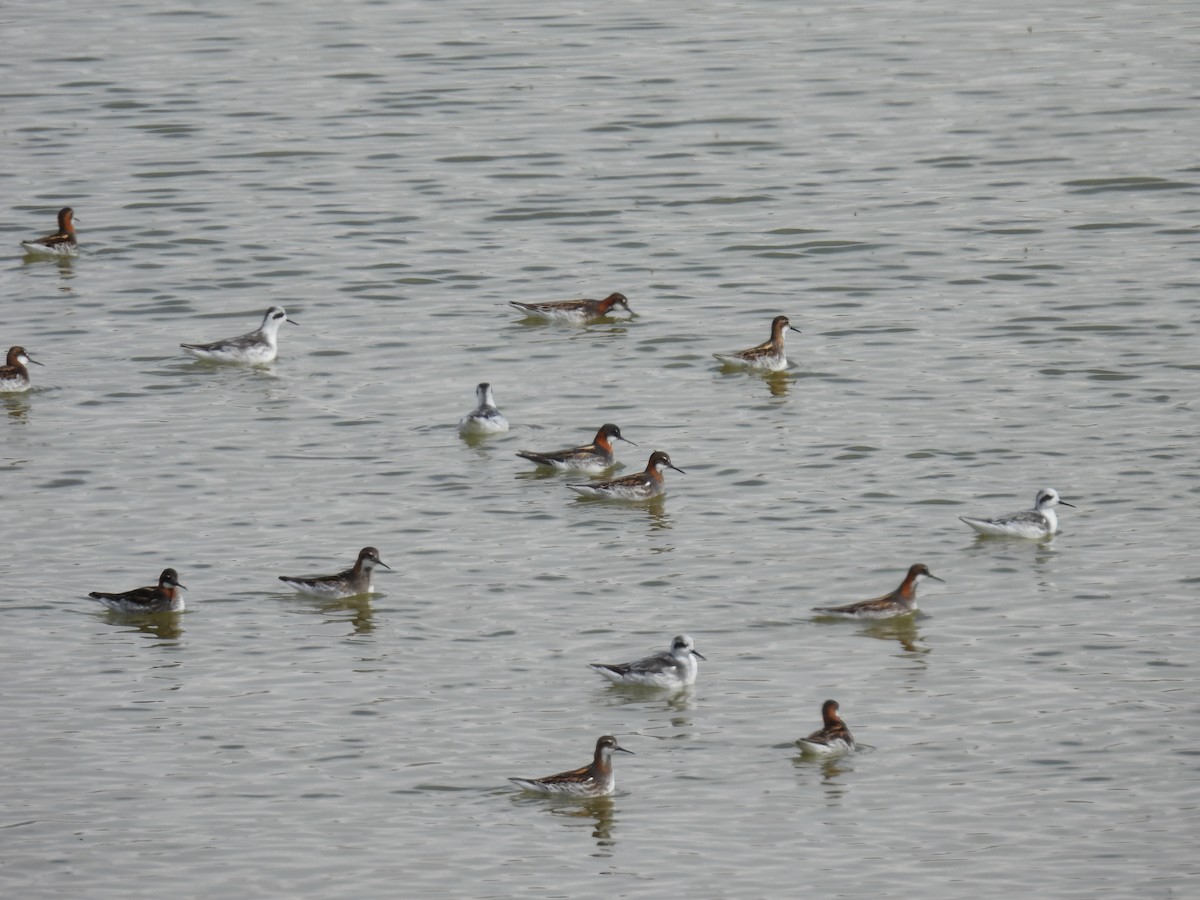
(984, 221)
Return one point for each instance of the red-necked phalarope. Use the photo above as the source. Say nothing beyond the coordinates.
(594, 457)
(639, 486)
(1038, 522)
(13, 374)
(675, 668)
(899, 602)
(769, 356)
(61, 243)
(161, 597)
(484, 418)
(354, 581)
(834, 736)
(596, 780)
(574, 310)
(257, 347)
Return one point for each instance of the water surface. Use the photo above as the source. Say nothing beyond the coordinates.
(983, 221)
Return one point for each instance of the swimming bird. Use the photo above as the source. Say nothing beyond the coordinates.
(596, 780)
(484, 418)
(1035, 523)
(834, 736)
(257, 347)
(156, 598)
(899, 602)
(594, 457)
(14, 376)
(354, 581)
(674, 668)
(768, 356)
(573, 310)
(639, 486)
(61, 243)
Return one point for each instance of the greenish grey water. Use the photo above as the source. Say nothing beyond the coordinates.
(984, 223)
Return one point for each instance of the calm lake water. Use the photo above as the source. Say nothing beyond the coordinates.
(985, 222)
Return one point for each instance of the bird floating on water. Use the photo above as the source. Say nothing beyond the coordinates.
(674, 668)
(1035, 523)
(485, 418)
(639, 486)
(256, 348)
(61, 243)
(834, 737)
(769, 355)
(899, 602)
(156, 598)
(573, 310)
(595, 780)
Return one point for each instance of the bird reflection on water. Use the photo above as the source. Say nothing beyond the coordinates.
(777, 383)
(357, 610)
(598, 812)
(160, 626)
(902, 629)
(832, 768)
